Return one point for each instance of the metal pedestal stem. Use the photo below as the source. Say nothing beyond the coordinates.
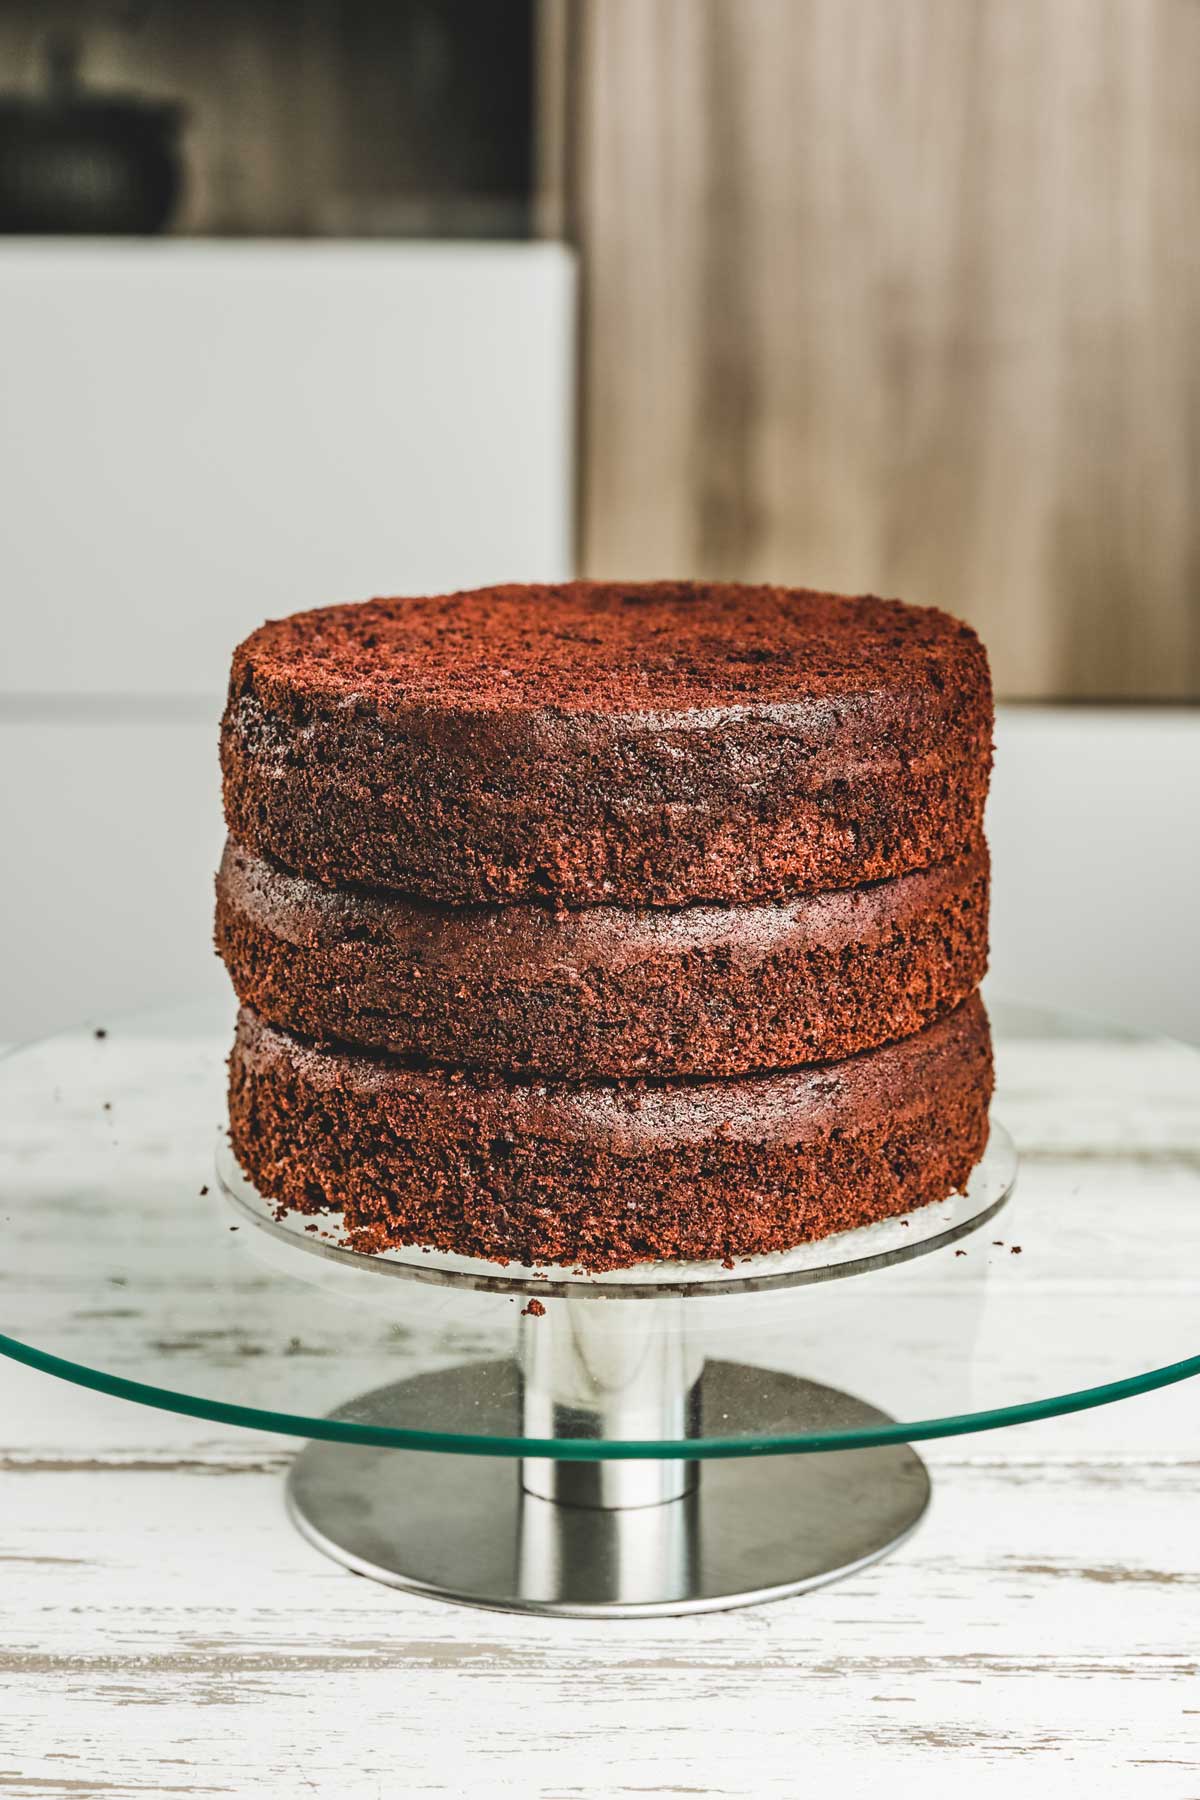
(619, 1536)
(615, 1369)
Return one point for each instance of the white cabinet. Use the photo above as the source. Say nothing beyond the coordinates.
(195, 436)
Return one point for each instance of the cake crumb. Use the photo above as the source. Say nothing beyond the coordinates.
(1015, 1250)
(100, 1032)
(535, 1310)
(960, 1253)
(203, 1191)
(235, 1228)
(107, 1105)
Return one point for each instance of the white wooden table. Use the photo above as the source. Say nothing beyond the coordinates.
(166, 1632)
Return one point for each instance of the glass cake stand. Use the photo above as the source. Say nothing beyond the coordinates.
(675, 1438)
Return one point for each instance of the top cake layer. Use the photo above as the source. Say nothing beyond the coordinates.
(638, 743)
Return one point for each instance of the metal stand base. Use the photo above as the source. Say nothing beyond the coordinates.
(466, 1529)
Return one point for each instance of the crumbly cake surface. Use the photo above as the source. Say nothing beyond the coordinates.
(637, 743)
(609, 991)
(609, 1174)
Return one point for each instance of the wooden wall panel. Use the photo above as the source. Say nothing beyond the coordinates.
(904, 295)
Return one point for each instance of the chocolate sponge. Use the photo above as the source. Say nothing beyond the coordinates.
(639, 743)
(606, 990)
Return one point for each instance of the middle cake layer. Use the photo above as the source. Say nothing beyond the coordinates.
(607, 991)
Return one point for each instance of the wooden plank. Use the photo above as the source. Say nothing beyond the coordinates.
(166, 1632)
(904, 296)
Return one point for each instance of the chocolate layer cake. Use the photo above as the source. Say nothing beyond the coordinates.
(642, 743)
(602, 923)
(609, 1174)
(611, 991)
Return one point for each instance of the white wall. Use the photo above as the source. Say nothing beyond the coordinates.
(113, 827)
(1094, 823)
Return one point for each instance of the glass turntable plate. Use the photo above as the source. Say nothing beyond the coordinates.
(132, 1266)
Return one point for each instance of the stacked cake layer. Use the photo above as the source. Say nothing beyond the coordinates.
(599, 923)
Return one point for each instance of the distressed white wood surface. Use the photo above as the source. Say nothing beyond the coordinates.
(165, 1632)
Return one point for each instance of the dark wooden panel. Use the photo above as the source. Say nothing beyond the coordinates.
(904, 295)
(321, 117)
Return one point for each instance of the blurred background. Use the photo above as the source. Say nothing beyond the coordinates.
(306, 301)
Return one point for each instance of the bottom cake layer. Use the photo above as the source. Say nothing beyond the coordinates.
(603, 1175)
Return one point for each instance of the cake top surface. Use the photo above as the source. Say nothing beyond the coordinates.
(611, 647)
